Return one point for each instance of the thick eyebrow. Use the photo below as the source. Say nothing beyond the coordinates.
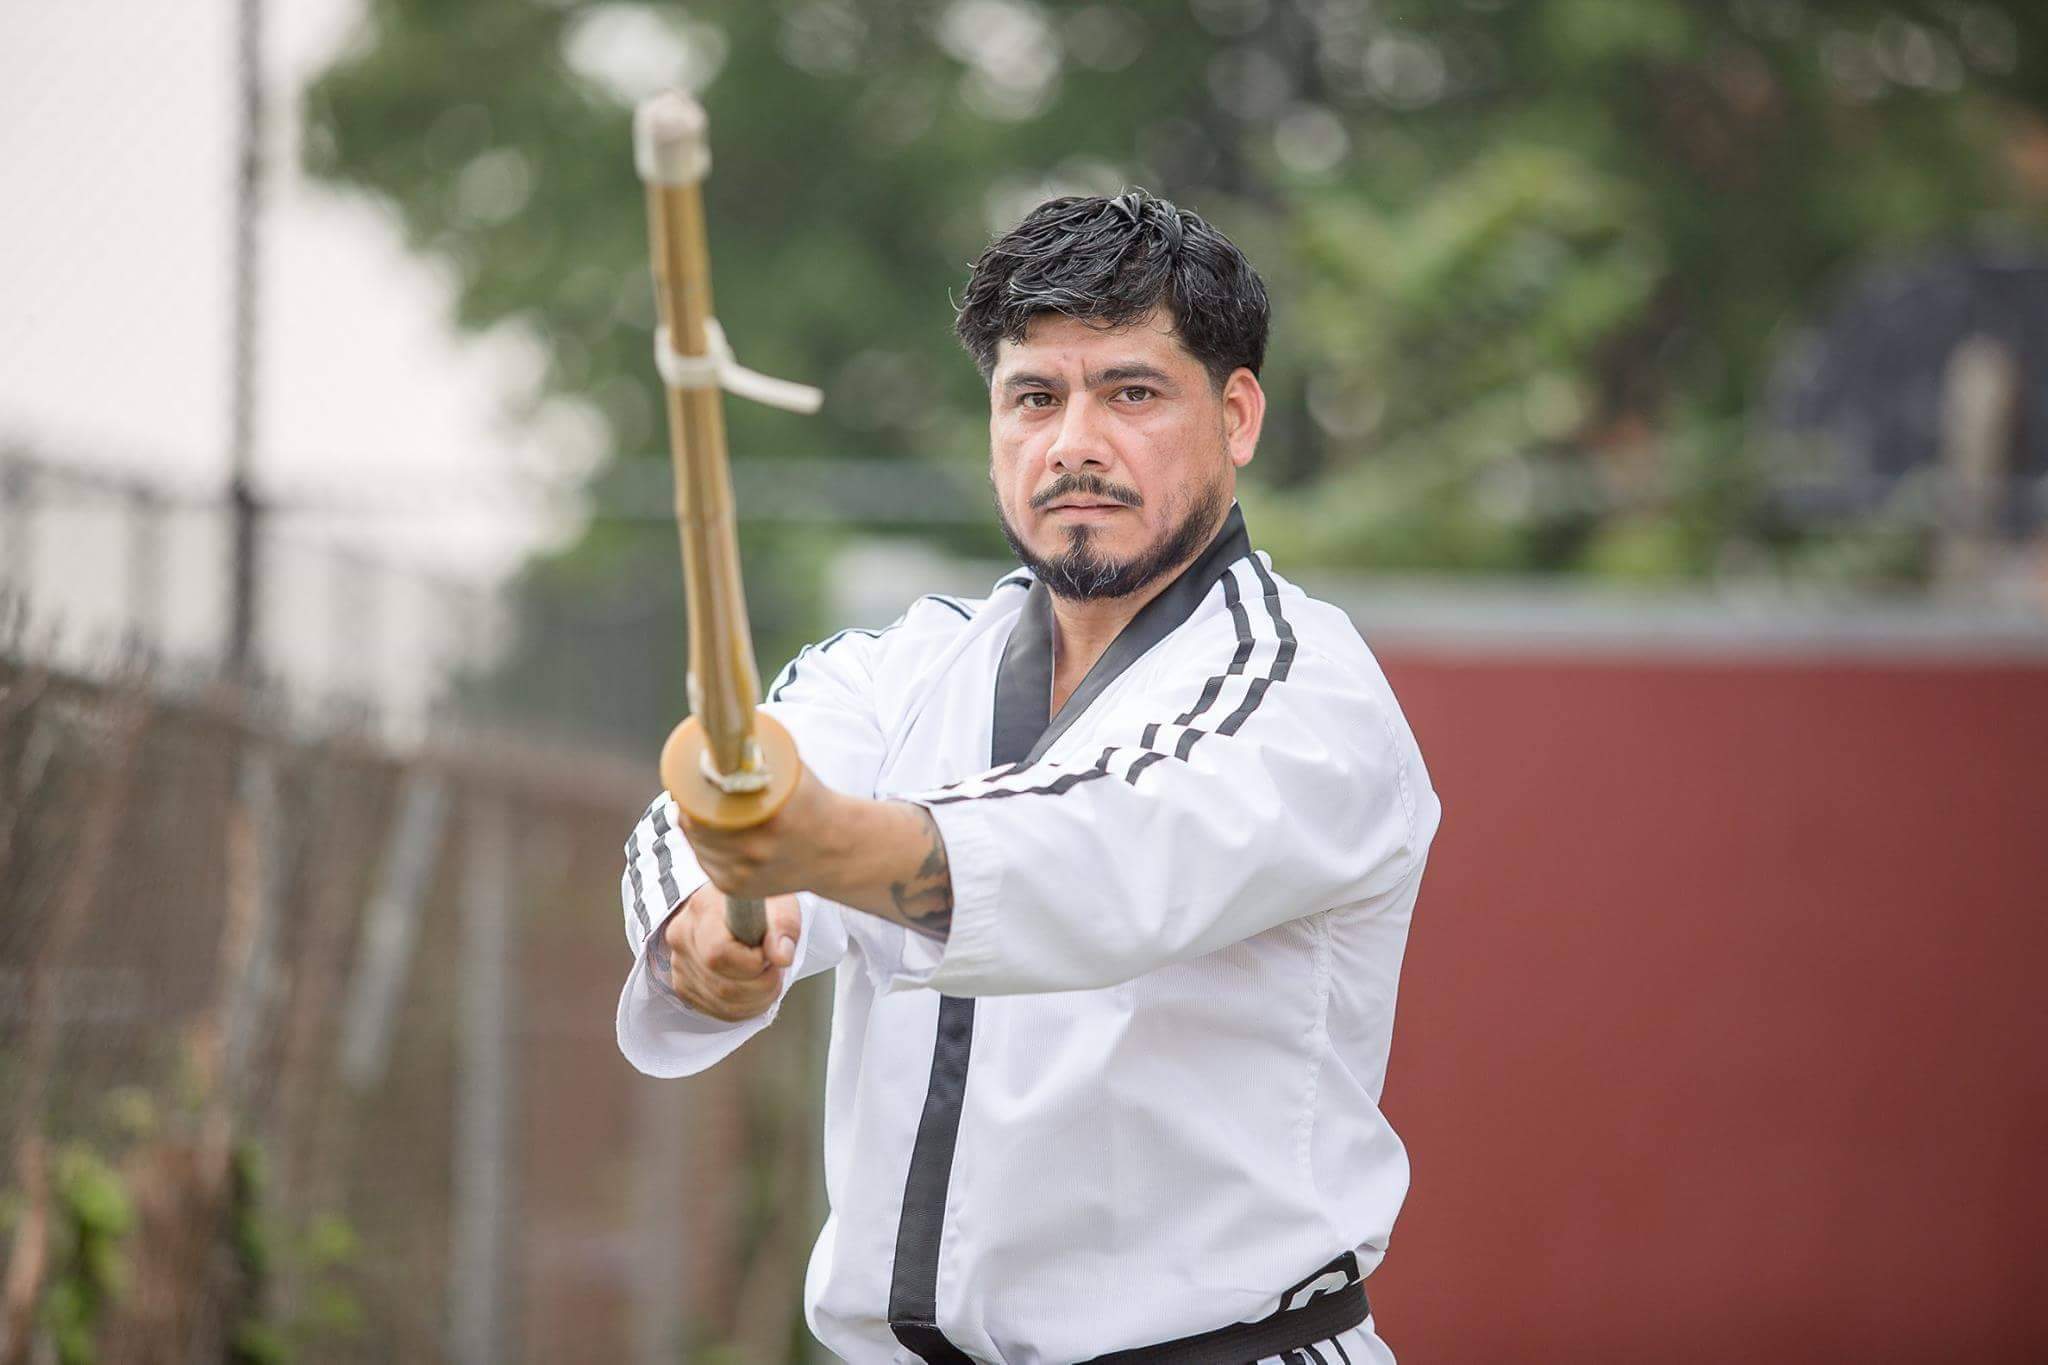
(1130, 371)
(1017, 382)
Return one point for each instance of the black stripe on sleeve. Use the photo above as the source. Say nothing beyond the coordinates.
(964, 614)
(789, 670)
(1285, 659)
(1145, 761)
(639, 890)
(789, 673)
(671, 893)
(1214, 687)
(1059, 786)
(1255, 694)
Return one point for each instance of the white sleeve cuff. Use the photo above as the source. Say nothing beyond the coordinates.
(662, 1036)
(968, 961)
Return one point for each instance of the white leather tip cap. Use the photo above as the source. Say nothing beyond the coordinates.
(670, 145)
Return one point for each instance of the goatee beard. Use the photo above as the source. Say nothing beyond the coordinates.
(1080, 574)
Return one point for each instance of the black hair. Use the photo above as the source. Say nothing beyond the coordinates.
(1110, 260)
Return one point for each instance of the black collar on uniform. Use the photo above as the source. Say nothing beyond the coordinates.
(1023, 731)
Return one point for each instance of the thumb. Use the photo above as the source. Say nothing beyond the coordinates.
(785, 927)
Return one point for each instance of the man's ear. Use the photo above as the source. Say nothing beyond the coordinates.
(1244, 413)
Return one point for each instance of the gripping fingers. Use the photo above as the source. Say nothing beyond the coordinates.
(716, 974)
(732, 1001)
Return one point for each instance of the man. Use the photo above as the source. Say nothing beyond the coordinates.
(1114, 867)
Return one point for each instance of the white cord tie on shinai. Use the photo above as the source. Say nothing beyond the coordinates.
(751, 778)
(718, 369)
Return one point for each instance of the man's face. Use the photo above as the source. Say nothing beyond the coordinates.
(1112, 454)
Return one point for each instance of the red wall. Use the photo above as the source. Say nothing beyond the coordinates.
(1723, 1025)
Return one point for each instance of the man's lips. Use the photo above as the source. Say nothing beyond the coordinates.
(1086, 507)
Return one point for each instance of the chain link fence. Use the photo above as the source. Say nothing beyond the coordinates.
(305, 1052)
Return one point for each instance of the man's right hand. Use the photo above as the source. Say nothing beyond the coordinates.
(716, 974)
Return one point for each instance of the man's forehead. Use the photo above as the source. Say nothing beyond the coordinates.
(1151, 339)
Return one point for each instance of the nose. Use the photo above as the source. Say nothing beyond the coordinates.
(1079, 442)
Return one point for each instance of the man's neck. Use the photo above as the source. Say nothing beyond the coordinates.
(1081, 631)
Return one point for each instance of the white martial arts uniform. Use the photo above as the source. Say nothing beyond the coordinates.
(1134, 1098)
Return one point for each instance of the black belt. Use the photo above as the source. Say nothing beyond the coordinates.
(1315, 1310)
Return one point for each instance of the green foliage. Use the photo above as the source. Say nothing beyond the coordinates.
(1515, 245)
(316, 1259)
(131, 1111)
(258, 1343)
(92, 1214)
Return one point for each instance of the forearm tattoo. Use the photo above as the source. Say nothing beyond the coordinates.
(925, 902)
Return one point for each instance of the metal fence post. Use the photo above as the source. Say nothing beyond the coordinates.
(390, 930)
(484, 1185)
(17, 518)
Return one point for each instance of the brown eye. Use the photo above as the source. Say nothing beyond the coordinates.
(1134, 393)
(1030, 400)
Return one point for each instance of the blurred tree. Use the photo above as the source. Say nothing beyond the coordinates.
(1531, 258)
(863, 155)
(1569, 236)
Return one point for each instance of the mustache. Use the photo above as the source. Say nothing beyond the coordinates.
(1090, 485)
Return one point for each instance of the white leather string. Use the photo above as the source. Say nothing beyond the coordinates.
(718, 369)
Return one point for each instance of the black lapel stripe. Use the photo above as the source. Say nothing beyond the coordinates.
(1020, 732)
(1160, 617)
(1342, 1354)
(1023, 696)
(964, 614)
(914, 1281)
(1027, 667)
(1023, 682)
(665, 874)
